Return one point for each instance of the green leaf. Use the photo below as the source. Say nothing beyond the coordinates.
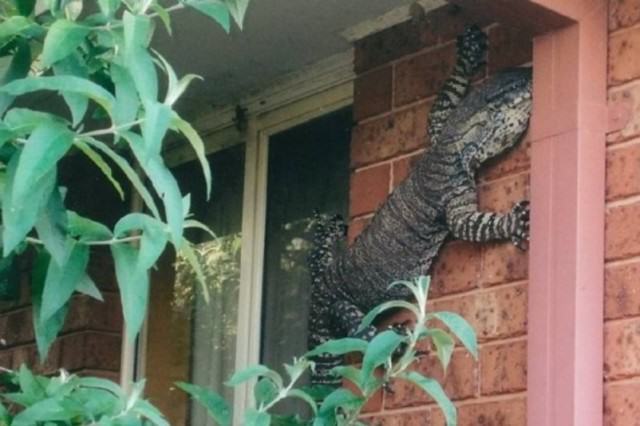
(215, 10)
(14, 25)
(238, 9)
(47, 144)
(88, 287)
(85, 229)
(29, 384)
(153, 238)
(435, 391)
(339, 347)
(150, 413)
(216, 406)
(127, 101)
(63, 279)
(394, 304)
(198, 146)
(63, 38)
(52, 226)
(461, 328)
(137, 35)
(22, 121)
(350, 373)
(254, 417)
(154, 128)
(20, 215)
(5, 417)
(186, 251)
(78, 104)
(45, 331)
(102, 165)
(265, 391)
(108, 7)
(379, 350)
(163, 182)
(62, 83)
(134, 287)
(49, 410)
(25, 7)
(253, 372)
(297, 393)
(129, 172)
(18, 68)
(98, 383)
(339, 398)
(444, 345)
(164, 16)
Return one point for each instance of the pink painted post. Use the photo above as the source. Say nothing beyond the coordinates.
(566, 286)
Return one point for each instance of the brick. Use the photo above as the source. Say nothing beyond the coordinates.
(460, 382)
(623, 13)
(401, 167)
(456, 268)
(622, 349)
(495, 314)
(623, 52)
(90, 350)
(392, 43)
(356, 227)
(372, 93)
(19, 327)
(508, 47)
(508, 163)
(623, 172)
(369, 188)
(503, 368)
(501, 195)
(102, 270)
(502, 262)
(508, 412)
(621, 407)
(422, 76)
(419, 418)
(625, 113)
(388, 136)
(28, 355)
(621, 292)
(6, 358)
(622, 231)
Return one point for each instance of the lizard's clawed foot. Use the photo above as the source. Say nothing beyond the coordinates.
(520, 225)
(472, 48)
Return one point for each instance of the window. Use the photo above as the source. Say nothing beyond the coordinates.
(266, 188)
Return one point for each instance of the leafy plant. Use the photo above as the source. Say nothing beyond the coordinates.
(71, 400)
(342, 406)
(101, 64)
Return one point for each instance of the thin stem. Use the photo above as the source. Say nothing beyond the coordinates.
(93, 243)
(111, 130)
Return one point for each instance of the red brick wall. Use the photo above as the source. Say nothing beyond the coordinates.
(399, 72)
(622, 251)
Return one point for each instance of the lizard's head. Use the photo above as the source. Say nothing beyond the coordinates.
(508, 98)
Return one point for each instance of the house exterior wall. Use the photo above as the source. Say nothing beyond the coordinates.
(622, 250)
(399, 72)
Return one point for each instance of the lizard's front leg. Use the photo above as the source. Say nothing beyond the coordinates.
(465, 222)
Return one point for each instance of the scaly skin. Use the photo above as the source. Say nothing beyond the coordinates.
(438, 200)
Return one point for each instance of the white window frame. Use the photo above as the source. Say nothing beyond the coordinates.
(317, 91)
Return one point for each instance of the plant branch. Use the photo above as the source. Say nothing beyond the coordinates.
(109, 242)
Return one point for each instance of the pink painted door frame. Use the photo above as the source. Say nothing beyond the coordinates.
(566, 288)
(566, 258)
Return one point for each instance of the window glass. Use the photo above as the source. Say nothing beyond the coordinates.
(308, 170)
(189, 338)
